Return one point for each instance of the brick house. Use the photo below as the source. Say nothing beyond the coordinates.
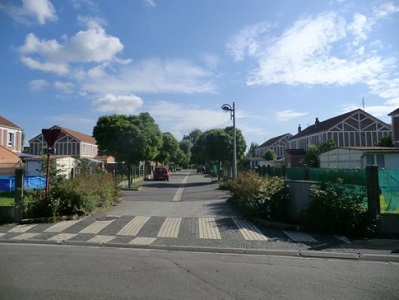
(69, 142)
(10, 135)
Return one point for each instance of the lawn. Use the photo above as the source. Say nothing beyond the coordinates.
(7, 198)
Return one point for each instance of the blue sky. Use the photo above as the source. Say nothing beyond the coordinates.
(283, 62)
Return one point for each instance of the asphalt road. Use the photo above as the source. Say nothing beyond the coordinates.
(71, 272)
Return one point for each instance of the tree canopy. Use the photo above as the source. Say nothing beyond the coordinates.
(129, 138)
(216, 145)
(170, 146)
(313, 152)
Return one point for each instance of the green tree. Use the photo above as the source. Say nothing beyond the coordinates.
(240, 143)
(385, 141)
(252, 148)
(169, 147)
(313, 152)
(128, 138)
(270, 155)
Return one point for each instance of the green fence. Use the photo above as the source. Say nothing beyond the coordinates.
(389, 191)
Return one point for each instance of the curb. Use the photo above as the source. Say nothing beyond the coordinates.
(267, 252)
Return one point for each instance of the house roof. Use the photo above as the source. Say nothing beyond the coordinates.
(396, 111)
(75, 134)
(78, 135)
(271, 141)
(8, 156)
(8, 123)
(328, 124)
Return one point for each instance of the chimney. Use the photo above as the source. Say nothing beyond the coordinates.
(299, 128)
(316, 123)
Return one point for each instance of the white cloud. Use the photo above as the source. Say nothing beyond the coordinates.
(247, 41)
(125, 104)
(150, 3)
(155, 76)
(38, 84)
(41, 10)
(288, 115)
(92, 45)
(66, 87)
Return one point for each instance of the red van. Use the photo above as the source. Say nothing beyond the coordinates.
(161, 173)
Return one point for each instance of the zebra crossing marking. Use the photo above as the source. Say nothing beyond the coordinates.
(25, 236)
(101, 239)
(22, 228)
(300, 237)
(61, 226)
(96, 227)
(170, 228)
(134, 226)
(1, 234)
(249, 231)
(208, 229)
(62, 237)
(142, 241)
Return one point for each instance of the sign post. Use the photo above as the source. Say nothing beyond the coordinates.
(50, 135)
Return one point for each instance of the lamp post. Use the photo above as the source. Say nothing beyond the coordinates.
(232, 110)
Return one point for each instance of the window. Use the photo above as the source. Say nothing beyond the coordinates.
(11, 139)
(380, 160)
(370, 159)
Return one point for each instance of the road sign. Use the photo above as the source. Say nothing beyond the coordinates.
(51, 135)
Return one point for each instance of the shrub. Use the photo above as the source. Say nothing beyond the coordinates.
(263, 197)
(81, 195)
(339, 208)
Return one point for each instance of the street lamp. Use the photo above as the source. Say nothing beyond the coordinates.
(232, 110)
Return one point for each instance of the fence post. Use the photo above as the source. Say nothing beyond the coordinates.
(19, 194)
(373, 191)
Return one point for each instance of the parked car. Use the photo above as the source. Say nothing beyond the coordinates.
(161, 173)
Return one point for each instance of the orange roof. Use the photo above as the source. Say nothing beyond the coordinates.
(7, 156)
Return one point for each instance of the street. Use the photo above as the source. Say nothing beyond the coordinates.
(71, 272)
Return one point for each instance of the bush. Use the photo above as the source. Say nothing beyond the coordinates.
(339, 208)
(262, 197)
(81, 195)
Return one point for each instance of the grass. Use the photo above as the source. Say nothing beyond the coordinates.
(7, 198)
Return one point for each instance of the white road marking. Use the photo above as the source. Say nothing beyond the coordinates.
(249, 231)
(179, 193)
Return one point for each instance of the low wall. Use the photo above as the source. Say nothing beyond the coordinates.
(7, 213)
(299, 197)
(389, 225)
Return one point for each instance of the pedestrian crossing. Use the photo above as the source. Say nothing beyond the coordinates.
(145, 230)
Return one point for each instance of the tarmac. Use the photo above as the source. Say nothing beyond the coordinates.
(197, 226)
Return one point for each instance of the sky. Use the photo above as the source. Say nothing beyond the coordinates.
(283, 63)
